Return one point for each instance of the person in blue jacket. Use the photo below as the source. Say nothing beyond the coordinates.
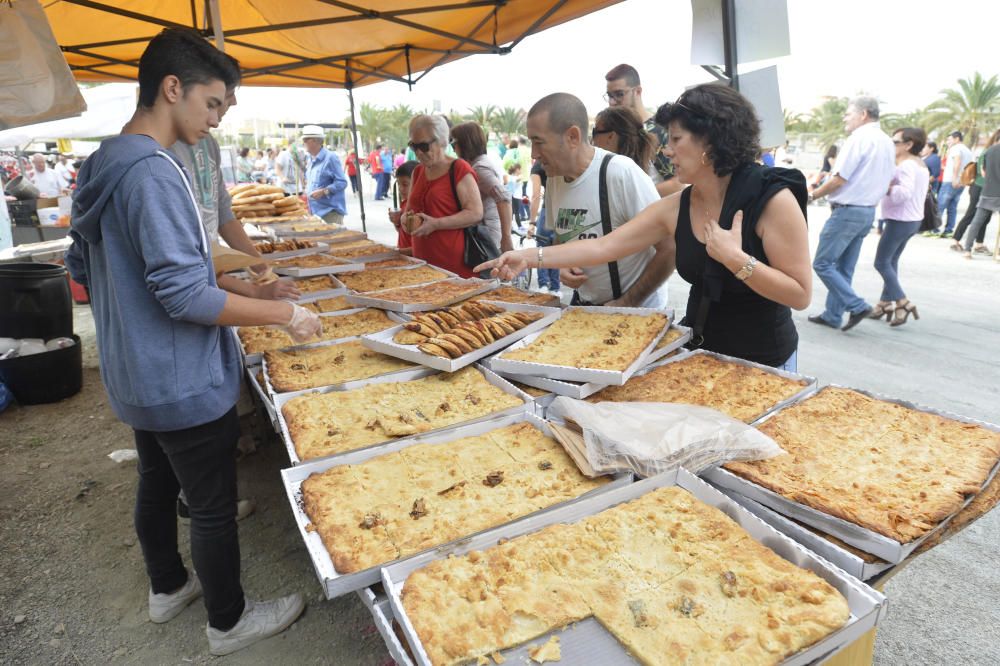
(325, 179)
(169, 359)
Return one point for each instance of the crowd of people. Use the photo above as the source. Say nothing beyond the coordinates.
(616, 207)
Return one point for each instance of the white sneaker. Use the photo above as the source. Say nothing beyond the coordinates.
(165, 607)
(260, 620)
(244, 508)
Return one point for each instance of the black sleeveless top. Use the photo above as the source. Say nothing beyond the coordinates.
(740, 322)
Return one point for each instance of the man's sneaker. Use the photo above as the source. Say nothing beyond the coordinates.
(165, 607)
(260, 620)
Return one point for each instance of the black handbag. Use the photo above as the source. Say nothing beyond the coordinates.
(479, 246)
(932, 217)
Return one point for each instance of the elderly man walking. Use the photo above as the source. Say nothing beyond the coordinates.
(861, 177)
(325, 179)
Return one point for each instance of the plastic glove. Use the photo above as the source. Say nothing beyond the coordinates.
(279, 290)
(304, 324)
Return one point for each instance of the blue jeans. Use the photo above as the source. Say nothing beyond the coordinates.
(948, 200)
(547, 277)
(890, 247)
(792, 364)
(836, 257)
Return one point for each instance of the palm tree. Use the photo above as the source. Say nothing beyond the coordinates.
(374, 123)
(482, 114)
(973, 107)
(509, 121)
(827, 120)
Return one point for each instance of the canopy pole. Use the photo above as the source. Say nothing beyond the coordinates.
(220, 37)
(729, 42)
(349, 84)
(409, 72)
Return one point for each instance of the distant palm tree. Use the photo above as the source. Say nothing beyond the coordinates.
(482, 114)
(973, 107)
(510, 121)
(827, 120)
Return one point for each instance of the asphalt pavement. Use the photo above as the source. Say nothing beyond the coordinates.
(945, 606)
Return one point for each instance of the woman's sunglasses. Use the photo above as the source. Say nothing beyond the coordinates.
(421, 147)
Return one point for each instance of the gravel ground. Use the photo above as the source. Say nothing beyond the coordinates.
(73, 591)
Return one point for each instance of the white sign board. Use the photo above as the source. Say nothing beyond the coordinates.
(761, 88)
(761, 31)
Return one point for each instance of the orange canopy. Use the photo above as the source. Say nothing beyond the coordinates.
(307, 43)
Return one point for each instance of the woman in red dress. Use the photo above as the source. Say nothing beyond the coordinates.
(432, 215)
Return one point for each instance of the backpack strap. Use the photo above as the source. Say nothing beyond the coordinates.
(616, 284)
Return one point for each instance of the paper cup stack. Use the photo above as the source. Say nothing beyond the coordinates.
(251, 201)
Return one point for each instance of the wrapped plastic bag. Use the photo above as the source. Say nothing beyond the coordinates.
(653, 437)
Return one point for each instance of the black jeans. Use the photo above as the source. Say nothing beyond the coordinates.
(202, 461)
(970, 212)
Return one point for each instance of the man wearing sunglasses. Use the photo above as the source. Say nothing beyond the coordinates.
(624, 89)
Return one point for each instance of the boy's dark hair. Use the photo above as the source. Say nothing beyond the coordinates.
(188, 56)
(957, 134)
(623, 71)
(405, 170)
(933, 146)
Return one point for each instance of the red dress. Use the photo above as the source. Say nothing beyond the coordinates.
(444, 247)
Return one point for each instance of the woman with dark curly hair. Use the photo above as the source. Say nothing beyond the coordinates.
(739, 231)
(619, 130)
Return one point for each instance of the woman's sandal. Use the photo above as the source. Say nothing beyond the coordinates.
(982, 249)
(903, 312)
(956, 246)
(882, 309)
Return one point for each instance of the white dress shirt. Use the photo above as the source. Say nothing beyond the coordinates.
(867, 162)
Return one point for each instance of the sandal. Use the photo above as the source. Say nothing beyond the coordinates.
(982, 249)
(966, 255)
(882, 309)
(956, 246)
(903, 312)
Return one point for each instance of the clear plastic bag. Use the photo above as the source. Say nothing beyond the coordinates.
(652, 437)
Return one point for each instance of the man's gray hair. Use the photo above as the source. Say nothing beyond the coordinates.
(436, 124)
(564, 111)
(867, 104)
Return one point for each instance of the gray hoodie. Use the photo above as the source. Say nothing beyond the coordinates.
(140, 247)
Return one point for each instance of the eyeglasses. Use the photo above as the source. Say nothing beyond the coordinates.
(597, 132)
(423, 146)
(898, 141)
(616, 95)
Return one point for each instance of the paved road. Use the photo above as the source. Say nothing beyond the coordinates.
(944, 607)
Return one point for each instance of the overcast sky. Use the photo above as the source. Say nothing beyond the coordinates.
(903, 51)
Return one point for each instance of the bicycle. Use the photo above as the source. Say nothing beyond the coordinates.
(523, 279)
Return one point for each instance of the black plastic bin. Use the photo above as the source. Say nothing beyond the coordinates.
(47, 377)
(35, 301)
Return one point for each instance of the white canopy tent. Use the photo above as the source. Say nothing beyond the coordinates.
(108, 108)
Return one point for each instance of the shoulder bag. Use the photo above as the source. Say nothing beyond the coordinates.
(479, 246)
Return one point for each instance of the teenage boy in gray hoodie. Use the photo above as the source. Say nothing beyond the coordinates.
(169, 360)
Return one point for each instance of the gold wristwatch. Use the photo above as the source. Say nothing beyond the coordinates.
(744, 273)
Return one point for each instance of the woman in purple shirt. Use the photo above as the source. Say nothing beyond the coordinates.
(903, 211)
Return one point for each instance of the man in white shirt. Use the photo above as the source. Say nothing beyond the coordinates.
(861, 176)
(63, 170)
(44, 178)
(557, 127)
(284, 171)
(958, 157)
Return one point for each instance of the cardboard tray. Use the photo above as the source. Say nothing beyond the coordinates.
(287, 254)
(339, 266)
(810, 387)
(334, 583)
(331, 293)
(866, 605)
(265, 398)
(657, 354)
(492, 378)
(833, 553)
(377, 603)
(372, 299)
(584, 375)
(382, 341)
(867, 540)
(257, 358)
(404, 375)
